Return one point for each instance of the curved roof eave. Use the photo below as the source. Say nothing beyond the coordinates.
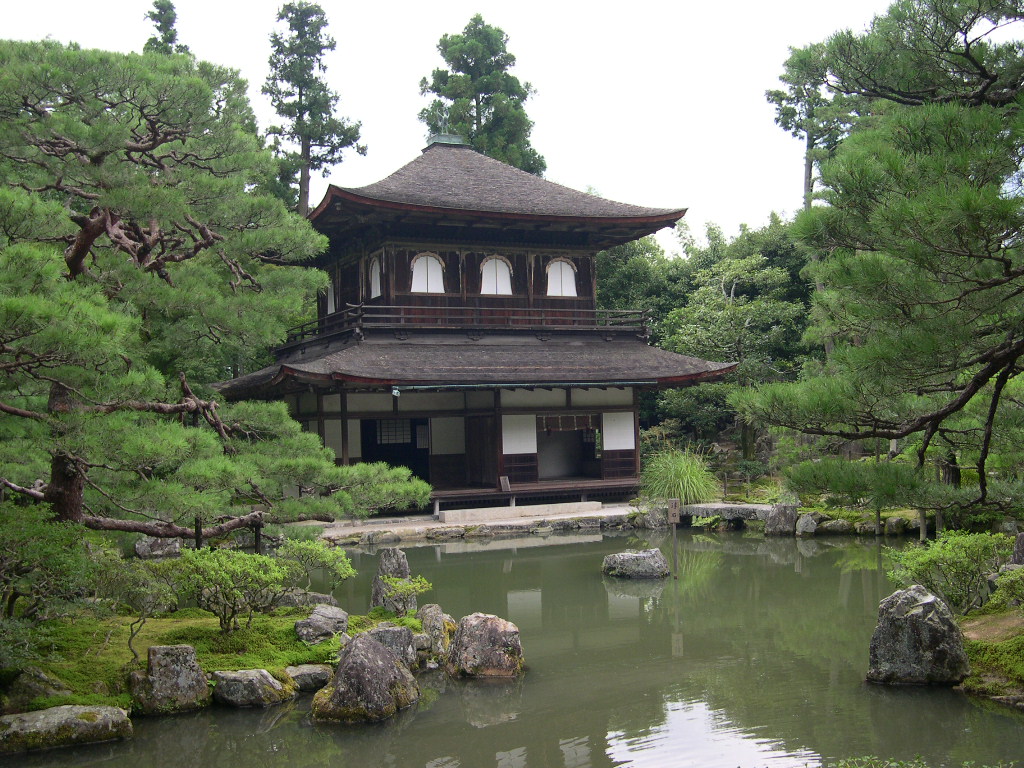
(665, 218)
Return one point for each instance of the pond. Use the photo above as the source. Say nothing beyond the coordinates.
(754, 657)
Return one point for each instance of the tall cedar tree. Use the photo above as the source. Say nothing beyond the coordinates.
(301, 97)
(136, 261)
(165, 40)
(921, 244)
(478, 98)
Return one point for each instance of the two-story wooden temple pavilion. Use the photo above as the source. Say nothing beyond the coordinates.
(460, 335)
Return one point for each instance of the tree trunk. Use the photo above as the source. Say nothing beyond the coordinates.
(66, 487)
(747, 441)
(808, 172)
(950, 470)
(922, 521)
(303, 206)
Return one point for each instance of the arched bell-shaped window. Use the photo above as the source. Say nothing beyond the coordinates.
(427, 274)
(496, 277)
(375, 277)
(561, 278)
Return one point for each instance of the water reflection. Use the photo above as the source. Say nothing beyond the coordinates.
(754, 656)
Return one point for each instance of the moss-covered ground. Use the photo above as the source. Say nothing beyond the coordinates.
(92, 658)
(995, 647)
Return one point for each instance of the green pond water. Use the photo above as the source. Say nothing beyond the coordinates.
(754, 657)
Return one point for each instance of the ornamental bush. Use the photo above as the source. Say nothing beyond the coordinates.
(955, 566)
(230, 584)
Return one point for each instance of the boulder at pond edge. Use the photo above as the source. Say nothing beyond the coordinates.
(916, 641)
(369, 684)
(173, 681)
(251, 688)
(65, 726)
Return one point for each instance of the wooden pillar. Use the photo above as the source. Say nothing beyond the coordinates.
(343, 396)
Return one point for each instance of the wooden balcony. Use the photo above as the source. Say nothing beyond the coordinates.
(486, 316)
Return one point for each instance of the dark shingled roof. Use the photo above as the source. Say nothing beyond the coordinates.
(492, 361)
(456, 178)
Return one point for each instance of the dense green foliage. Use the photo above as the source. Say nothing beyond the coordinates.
(318, 556)
(137, 259)
(165, 40)
(43, 564)
(955, 566)
(682, 475)
(230, 584)
(301, 97)
(919, 245)
(478, 99)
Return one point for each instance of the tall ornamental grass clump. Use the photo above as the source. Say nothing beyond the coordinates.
(682, 475)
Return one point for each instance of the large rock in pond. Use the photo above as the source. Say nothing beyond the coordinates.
(310, 677)
(396, 639)
(369, 684)
(485, 646)
(916, 641)
(251, 688)
(781, 520)
(173, 681)
(440, 627)
(323, 623)
(392, 564)
(645, 564)
(65, 726)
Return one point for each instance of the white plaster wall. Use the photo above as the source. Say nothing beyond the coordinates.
(519, 434)
(307, 402)
(595, 396)
(617, 431)
(292, 401)
(369, 403)
(447, 435)
(430, 401)
(332, 403)
(355, 442)
(332, 435)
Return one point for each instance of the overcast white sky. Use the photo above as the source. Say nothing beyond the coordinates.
(651, 103)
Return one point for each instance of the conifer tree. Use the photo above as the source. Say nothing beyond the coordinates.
(165, 41)
(479, 99)
(300, 95)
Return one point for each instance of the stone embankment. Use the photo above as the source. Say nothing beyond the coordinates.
(542, 520)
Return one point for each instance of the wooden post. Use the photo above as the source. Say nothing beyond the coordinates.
(673, 520)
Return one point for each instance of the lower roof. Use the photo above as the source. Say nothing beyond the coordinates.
(458, 362)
